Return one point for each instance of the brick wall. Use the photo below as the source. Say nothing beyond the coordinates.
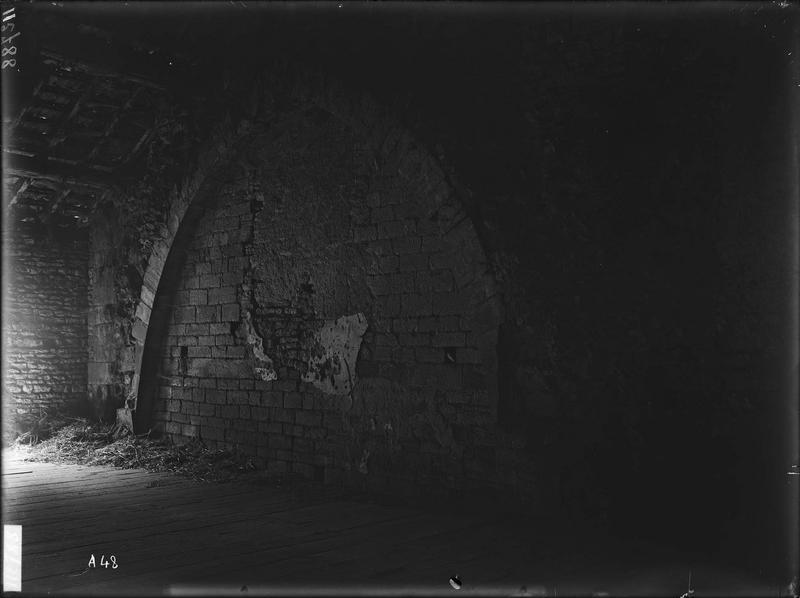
(311, 227)
(44, 325)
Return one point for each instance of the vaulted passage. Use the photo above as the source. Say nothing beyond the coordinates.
(327, 315)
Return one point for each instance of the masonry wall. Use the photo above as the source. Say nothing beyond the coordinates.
(113, 272)
(334, 319)
(106, 337)
(44, 325)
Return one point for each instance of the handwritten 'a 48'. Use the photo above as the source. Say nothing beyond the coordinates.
(112, 560)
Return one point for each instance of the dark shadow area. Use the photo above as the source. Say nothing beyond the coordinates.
(631, 174)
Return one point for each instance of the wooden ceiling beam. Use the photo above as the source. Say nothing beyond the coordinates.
(59, 201)
(21, 187)
(60, 172)
(112, 124)
(91, 65)
(57, 133)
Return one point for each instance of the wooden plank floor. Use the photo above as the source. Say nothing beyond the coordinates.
(172, 535)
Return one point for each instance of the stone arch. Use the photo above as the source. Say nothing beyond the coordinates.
(215, 153)
(390, 148)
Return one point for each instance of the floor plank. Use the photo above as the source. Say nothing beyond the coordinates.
(173, 534)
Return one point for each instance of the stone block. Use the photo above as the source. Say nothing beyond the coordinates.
(294, 431)
(285, 416)
(206, 341)
(433, 243)
(197, 329)
(429, 355)
(198, 297)
(216, 397)
(208, 313)
(388, 264)
(232, 250)
(448, 339)
(147, 296)
(382, 353)
(187, 341)
(284, 385)
(231, 278)
(434, 281)
(468, 355)
(184, 315)
(396, 229)
(415, 304)
(305, 418)
(143, 312)
(364, 234)
(238, 397)
(403, 282)
(199, 351)
(227, 383)
(443, 376)
(385, 339)
(212, 432)
(412, 262)
(293, 400)
(388, 306)
(259, 413)
(303, 448)
(280, 442)
(272, 398)
(381, 214)
(99, 373)
(210, 281)
(405, 245)
(219, 266)
(275, 466)
(450, 303)
(380, 285)
(236, 352)
(269, 428)
(407, 324)
(226, 340)
(414, 339)
(445, 260)
(230, 312)
(474, 378)
(219, 328)
(222, 295)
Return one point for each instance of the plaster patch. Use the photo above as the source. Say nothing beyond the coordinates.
(331, 365)
(267, 370)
